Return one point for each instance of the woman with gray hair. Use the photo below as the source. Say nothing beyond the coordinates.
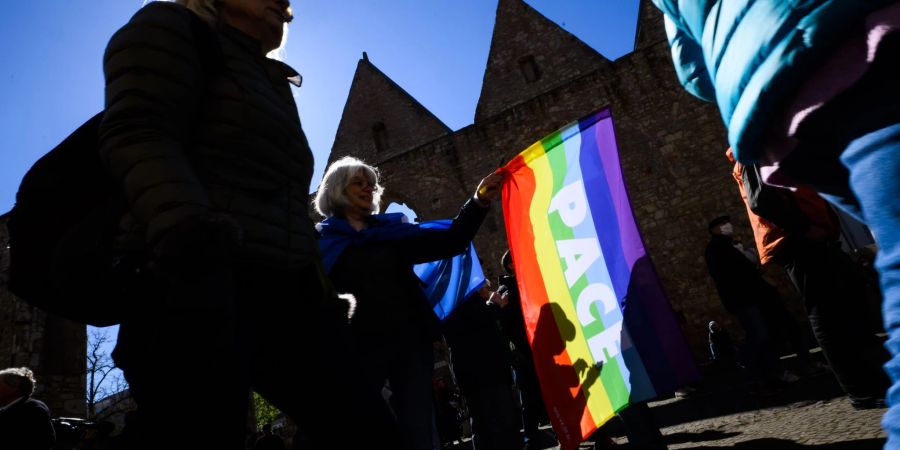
(371, 256)
(202, 132)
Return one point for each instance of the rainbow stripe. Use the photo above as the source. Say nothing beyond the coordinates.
(601, 329)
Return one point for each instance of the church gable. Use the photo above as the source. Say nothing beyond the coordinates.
(381, 119)
(650, 28)
(529, 55)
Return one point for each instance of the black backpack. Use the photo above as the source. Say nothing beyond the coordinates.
(63, 223)
(60, 231)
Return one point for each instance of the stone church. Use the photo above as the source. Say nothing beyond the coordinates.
(538, 78)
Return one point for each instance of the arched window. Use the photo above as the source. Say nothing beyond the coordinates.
(395, 207)
(529, 69)
(379, 136)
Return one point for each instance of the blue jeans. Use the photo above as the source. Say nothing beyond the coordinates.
(874, 164)
(872, 194)
(849, 151)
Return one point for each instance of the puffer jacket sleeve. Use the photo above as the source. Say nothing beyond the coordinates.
(154, 84)
(689, 63)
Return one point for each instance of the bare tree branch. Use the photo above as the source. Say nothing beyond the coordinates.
(100, 367)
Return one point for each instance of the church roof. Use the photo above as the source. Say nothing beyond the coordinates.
(381, 118)
(530, 54)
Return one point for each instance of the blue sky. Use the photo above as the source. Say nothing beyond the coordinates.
(51, 50)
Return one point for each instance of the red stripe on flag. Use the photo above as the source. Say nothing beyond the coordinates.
(565, 402)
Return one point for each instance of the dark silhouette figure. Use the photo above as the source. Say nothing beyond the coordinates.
(202, 133)
(24, 421)
(747, 296)
(799, 231)
(552, 332)
(513, 326)
(480, 356)
(722, 349)
(269, 441)
(446, 415)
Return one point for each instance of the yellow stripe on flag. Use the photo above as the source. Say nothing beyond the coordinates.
(554, 279)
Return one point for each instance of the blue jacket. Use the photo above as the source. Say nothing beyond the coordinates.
(750, 55)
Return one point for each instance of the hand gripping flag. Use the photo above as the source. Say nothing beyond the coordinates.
(602, 331)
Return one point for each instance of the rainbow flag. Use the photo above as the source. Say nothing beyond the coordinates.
(601, 329)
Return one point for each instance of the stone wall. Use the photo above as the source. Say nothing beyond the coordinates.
(54, 348)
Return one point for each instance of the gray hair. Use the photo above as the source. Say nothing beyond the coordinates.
(207, 10)
(19, 378)
(331, 198)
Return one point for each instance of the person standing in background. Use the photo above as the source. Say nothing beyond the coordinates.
(24, 421)
(809, 91)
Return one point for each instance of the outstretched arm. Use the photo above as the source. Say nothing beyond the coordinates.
(434, 244)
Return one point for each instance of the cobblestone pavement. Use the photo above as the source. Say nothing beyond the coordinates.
(723, 414)
(812, 413)
(820, 424)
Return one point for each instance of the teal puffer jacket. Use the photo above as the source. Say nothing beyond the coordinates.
(750, 55)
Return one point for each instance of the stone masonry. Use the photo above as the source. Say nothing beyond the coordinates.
(538, 78)
(52, 347)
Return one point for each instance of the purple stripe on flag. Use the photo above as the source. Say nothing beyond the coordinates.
(648, 315)
(632, 245)
(601, 204)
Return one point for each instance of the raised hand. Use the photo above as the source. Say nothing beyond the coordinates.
(489, 188)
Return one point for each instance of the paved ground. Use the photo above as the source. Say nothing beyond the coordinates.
(825, 424)
(723, 414)
(812, 413)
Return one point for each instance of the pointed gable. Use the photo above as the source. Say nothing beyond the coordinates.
(650, 28)
(529, 55)
(381, 119)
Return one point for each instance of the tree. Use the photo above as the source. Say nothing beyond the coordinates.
(103, 379)
(265, 412)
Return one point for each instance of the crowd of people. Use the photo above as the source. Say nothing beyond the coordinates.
(231, 282)
(809, 94)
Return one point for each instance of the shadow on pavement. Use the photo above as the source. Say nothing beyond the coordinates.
(783, 444)
(704, 436)
(721, 394)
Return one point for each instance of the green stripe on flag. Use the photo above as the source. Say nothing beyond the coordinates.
(610, 375)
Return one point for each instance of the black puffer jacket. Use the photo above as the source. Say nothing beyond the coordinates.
(201, 123)
(511, 317)
(739, 283)
(26, 425)
(480, 354)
